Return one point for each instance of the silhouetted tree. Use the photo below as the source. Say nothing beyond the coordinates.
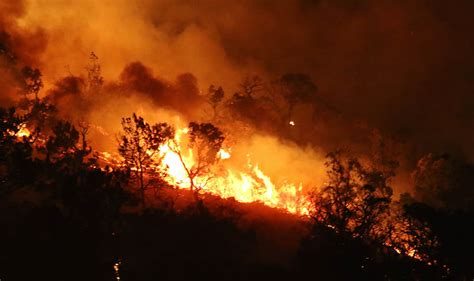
(443, 181)
(40, 112)
(355, 200)
(32, 82)
(250, 85)
(244, 104)
(76, 204)
(296, 88)
(443, 203)
(94, 74)
(67, 149)
(358, 230)
(10, 123)
(215, 96)
(15, 152)
(411, 236)
(63, 141)
(139, 144)
(42, 116)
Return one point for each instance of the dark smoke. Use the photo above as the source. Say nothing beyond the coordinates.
(181, 95)
(19, 47)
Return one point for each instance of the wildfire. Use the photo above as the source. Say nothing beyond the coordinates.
(250, 184)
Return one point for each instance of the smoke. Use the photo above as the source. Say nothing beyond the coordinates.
(404, 67)
(182, 95)
(284, 161)
(19, 46)
(136, 91)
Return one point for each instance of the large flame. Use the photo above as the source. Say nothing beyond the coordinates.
(250, 184)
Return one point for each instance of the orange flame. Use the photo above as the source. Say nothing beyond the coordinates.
(251, 185)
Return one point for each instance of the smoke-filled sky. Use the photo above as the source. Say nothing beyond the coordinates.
(406, 67)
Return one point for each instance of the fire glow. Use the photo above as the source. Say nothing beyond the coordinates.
(247, 185)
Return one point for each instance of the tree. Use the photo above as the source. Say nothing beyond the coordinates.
(296, 88)
(32, 82)
(15, 152)
(442, 181)
(42, 116)
(62, 142)
(40, 113)
(443, 201)
(205, 141)
(250, 85)
(243, 104)
(68, 146)
(139, 144)
(215, 96)
(355, 200)
(75, 203)
(94, 74)
(10, 123)
(410, 235)
(363, 231)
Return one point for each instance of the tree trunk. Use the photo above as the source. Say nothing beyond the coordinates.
(142, 186)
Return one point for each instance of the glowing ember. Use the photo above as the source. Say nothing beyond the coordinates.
(117, 269)
(292, 123)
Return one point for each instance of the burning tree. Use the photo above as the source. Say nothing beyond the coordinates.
(205, 141)
(139, 145)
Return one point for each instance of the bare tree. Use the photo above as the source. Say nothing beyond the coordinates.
(84, 129)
